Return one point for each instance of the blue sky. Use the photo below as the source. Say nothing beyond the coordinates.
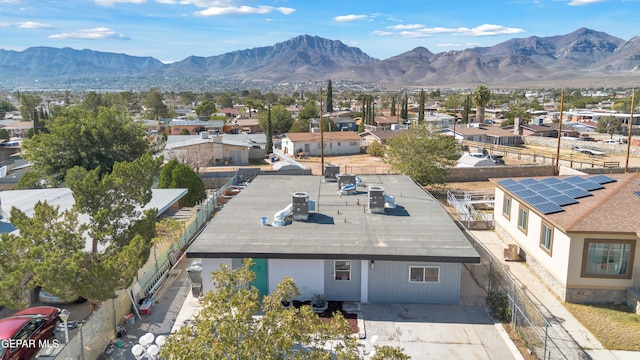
(171, 30)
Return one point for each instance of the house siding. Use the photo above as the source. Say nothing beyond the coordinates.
(342, 290)
(308, 275)
(389, 282)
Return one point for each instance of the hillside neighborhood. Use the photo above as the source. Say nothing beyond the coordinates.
(347, 194)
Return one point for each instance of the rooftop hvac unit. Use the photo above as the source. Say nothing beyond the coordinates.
(331, 172)
(347, 184)
(378, 200)
(300, 206)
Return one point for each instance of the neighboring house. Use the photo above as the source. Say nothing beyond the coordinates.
(489, 135)
(366, 247)
(538, 130)
(205, 150)
(230, 113)
(176, 127)
(25, 200)
(345, 124)
(578, 233)
(246, 126)
(438, 120)
(381, 136)
(335, 143)
(18, 128)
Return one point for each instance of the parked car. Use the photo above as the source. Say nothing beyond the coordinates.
(23, 333)
(47, 298)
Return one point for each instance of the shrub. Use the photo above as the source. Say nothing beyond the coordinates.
(375, 149)
(499, 306)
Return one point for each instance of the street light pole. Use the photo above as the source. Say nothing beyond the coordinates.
(321, 138)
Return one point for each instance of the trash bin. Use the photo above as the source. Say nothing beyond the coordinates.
(195, 276)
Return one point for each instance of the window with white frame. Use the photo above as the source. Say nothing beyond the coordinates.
(506, 207)
(342, 269)
(608, 258)
(523, 219)
(419, 274)
(546, 237)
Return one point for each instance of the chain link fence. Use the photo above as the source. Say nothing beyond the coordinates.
(527, 317)
(94, 335)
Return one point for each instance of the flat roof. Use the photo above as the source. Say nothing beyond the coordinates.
(418, 229)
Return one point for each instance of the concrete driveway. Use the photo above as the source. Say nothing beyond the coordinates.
(436, 331)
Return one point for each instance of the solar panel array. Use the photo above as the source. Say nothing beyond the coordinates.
(549, 195)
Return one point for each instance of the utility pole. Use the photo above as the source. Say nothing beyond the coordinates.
(633, 98)
(557, 170)
(321, 137)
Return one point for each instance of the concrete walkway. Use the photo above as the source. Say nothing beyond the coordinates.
(567, 326)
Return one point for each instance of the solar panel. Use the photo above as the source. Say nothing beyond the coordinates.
(535, 199)
(507, 182)
(538, 187)
(589, 185)
(562, 186)
(550, 181)
(577, 193)
(548, 208)
(524, 193)
(515, 187)
(528, 181)
(573, 180)
(602, 179)
(562, 200)
(549, 193)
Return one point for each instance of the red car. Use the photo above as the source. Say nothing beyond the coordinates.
(25, 332)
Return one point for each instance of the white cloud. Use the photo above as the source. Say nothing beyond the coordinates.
(33, 25)
(382, 33)
(584, 2)
(405, 26)
(482, 30)
(98, 33)
(350, 17)
(113, 2)
(242, 10)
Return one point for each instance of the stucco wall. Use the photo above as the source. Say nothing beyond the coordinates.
(488, 172)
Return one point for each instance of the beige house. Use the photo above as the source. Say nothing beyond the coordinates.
(204, 150)
(579, 233)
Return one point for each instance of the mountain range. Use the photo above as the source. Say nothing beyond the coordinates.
(582, 58)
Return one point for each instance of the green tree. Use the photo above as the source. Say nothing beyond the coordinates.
(187, 98)
(50, 251)
(421, 107)
(269, 131)
(467, 103)
(281, 119)
(32, 180)
(422, 155)
(517, 110)
(300, 125)
(206, 109)
(154, 103)
(481, 97)
(393, 106)
(609, 125)
(28, 103)
(92, 101)
(78, 137)
(225, 327)
(225, 101)
(329, 97)
(309, 111)
(175, 175)
(404, 112)
(376, 148)
(4, 134)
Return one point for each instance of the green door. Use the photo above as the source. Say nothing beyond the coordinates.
(261, 281)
